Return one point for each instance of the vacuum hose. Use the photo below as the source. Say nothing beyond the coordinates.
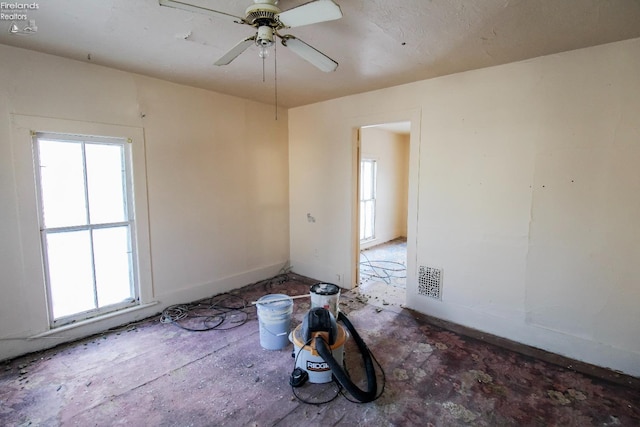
(323, 350)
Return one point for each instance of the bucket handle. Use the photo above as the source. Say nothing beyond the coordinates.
(279, 299)
(275, 335)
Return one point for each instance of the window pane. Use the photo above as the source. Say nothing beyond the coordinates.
(70, 272)
(362, 220)
(369, 219)
(362, 179)
(367, 198)
(367, 180)
(62, 176)
(105, 181)
(112, 261)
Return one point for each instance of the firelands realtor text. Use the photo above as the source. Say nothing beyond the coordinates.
(14, 11)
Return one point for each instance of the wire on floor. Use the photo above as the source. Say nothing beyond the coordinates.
(382, 269)
(221, 312)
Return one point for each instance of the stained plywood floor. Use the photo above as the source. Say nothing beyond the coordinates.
(158, 374)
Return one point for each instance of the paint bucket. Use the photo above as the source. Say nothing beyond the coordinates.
(307, 357)
(274, 318)
(325, 295)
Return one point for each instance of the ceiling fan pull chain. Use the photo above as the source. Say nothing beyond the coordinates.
(275, 75)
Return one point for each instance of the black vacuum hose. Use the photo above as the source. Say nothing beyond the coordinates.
(325, 352)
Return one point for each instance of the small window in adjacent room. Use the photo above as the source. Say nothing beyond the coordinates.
(367, 199)
(86, 222)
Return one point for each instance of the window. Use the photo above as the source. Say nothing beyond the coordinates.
(86, 222)
(367, 199)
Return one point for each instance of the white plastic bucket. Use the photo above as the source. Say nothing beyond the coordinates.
(274, 319)
(325, 295)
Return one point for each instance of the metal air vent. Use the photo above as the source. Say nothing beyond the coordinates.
(430, 282)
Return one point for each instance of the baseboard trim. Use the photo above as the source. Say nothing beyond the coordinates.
(544, 355)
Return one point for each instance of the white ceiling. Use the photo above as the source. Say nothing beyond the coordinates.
(378, 43)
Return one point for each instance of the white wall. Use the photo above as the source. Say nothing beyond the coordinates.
(523, 188)
(391, 153)
(217, 195)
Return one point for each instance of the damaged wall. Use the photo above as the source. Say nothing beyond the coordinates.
(217, 195)
(523, 188)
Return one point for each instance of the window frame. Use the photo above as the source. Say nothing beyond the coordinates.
(129, 222)
(33, 300)
(372, 200)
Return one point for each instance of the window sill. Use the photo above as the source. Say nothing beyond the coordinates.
(93, 320)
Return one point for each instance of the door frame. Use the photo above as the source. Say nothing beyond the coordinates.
(412, 116)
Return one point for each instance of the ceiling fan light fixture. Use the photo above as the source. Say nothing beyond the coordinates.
(264, 36)
(264, 40)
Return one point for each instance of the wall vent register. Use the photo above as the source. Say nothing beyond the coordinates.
(430, 282)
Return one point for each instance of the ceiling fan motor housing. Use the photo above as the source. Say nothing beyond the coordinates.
(263, 17)
(263, 14)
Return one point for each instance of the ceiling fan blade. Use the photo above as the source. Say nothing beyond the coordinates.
(183, 5)
(310, 54)
(235, 51)
(310, 13)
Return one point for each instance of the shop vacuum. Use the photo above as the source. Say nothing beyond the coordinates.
(319, 346)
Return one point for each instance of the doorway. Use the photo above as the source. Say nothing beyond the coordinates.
(383, 180)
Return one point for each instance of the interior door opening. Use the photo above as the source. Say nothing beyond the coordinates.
(383, 178)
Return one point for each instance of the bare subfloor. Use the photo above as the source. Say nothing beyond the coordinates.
(158, 374)
(385, 263)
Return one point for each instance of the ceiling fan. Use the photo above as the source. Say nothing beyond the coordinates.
(268, 19)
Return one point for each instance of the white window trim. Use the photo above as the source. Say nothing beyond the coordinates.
(23, 129)
(375, 196)
(129, 222)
